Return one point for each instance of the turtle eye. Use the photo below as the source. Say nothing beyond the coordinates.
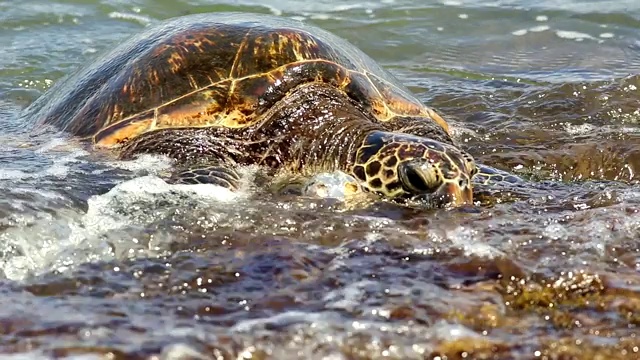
(414, 180)
(418, 176)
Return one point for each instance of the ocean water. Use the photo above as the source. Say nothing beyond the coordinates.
(100, 258)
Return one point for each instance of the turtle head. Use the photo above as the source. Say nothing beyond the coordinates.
(401, 166)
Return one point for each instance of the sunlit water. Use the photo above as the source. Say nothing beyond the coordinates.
(101, 257)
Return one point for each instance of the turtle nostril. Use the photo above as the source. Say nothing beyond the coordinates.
(462, 183)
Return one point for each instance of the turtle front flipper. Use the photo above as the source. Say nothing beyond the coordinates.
(220, 175)
(492, 186)
(489, 176)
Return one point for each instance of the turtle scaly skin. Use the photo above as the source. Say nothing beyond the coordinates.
(224, 90)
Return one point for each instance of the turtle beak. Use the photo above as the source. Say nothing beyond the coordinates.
(454, 193)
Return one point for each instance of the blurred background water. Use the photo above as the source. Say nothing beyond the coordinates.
(101, 258)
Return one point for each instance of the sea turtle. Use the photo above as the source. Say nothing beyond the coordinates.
(222, 90)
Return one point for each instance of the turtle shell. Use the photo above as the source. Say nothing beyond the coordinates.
(215, 70)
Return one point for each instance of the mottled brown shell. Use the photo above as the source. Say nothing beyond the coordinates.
(216, 70)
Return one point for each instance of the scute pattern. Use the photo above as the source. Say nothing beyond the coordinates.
(265, 49)
(229, 71)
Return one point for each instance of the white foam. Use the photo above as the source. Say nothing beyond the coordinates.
(154, 163)
(62, 155)
(33, 355)
(556, 232)
(350, 296)
(144, 20)
(335, 185)
(573, 35)
(53, 144)
(12, 174)
(319, 16)
(448, 331)
(459, 132)
(539, 28)
(180, 351)
(69, 237)
(34, 250)
(59, 168)
(104, 212)
(579, 129)
(275, 11)
(89, 50)
(42, 193)
(346, 7)
(156, 185)
(284, 319)
(471, 242)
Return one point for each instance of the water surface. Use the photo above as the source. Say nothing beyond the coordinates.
(100, 257)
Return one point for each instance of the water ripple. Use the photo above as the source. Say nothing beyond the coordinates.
(100, 257)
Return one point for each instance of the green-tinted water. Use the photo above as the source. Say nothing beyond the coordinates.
(546, 89)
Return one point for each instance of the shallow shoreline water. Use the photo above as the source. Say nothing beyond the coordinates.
(100, 258)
